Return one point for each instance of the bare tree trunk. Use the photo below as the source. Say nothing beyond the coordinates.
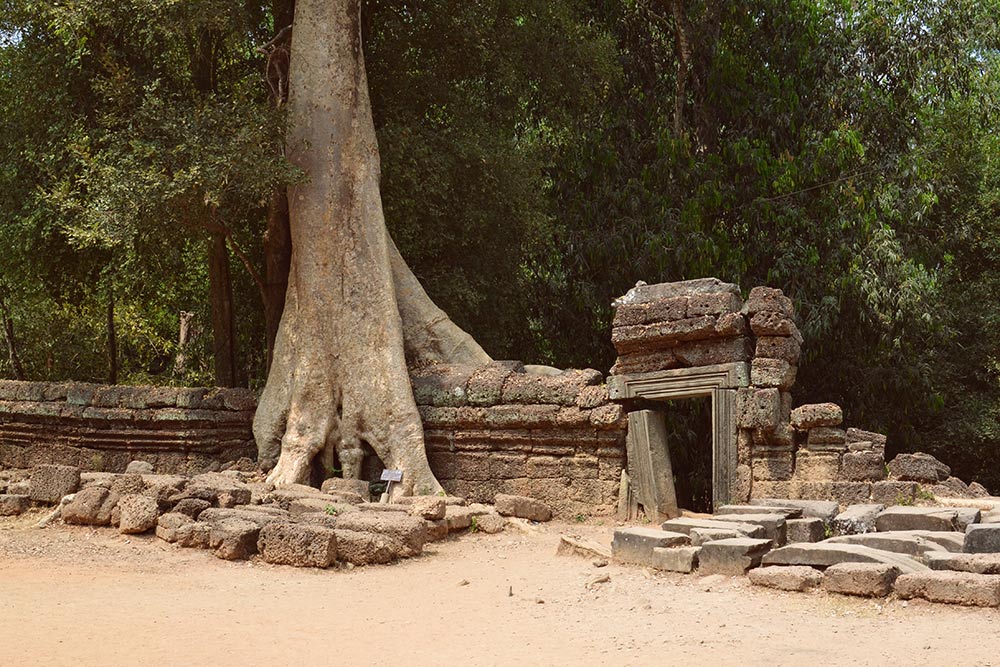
(112, 340)
(277, 260)
(683, 57)
(220, 289)
(339, 376)
(8, 330)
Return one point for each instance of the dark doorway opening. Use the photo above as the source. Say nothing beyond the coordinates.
(689, 441)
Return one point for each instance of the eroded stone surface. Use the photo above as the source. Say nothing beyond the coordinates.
(733, 556)
(825, 554)
(862, 579)
(980, 590)
(788, 578)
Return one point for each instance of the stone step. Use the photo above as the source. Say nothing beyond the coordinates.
(825, 554)
(635, 544)
(811, 509)
(733, 556)
(988, 563)
(925, 518)
(686, 524)
(982, 538)
(773, 524)
(979, 590)
(786, 511)
(915, 543)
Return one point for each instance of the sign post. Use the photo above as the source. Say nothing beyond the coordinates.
(390, 476)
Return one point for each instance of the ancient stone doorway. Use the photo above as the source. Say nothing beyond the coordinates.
(647, 430)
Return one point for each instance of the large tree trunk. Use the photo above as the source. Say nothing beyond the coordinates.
(220, 289)
(8, 330)
(339, 375)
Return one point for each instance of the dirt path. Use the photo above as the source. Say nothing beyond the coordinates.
(84, 597)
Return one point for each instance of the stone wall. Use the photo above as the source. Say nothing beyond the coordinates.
(496, 429)
(95, 427)
(490, 429)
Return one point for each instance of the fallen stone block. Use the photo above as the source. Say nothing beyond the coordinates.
(234, 539)
(49, 483)
(812, 415)
(805, 530)
(915, 543)
(824, 554)
(862, 579)
(982, 563)
(431, 508)
(700, 536)
(194, 535)
(918, 467)
(790, 578)
(856, 519)
(364, 548)
(410, 531)
(222, 489)
(192, 507)
(91, 506)
(12, 505)
(571, 546)
(979, 590)
(916, 518)
(636, 544)
(733, 556)
(460, 518)
(686, 524)
(773, 524)
(168, 524)
(136, 514)
(522, 507)
(674, 559)
(128, 484)
(258, 518)
(982, 538)
(489, 523)
(788, 512)
(825, 510)
(296, 544)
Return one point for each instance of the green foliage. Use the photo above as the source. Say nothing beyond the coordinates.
(538, 158)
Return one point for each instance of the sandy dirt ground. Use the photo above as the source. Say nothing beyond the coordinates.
(78, 596)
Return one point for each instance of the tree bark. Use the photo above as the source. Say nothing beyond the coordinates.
(339, 376)
(112, 341)
(8, 330)
(277, 261)
(220, 289)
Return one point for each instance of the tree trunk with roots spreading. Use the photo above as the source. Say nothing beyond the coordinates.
(354, 312)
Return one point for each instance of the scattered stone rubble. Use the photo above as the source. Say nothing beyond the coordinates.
(239, 516)
(940, 554)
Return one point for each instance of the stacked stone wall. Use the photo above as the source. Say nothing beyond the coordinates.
(102, 428)
(496, 429)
